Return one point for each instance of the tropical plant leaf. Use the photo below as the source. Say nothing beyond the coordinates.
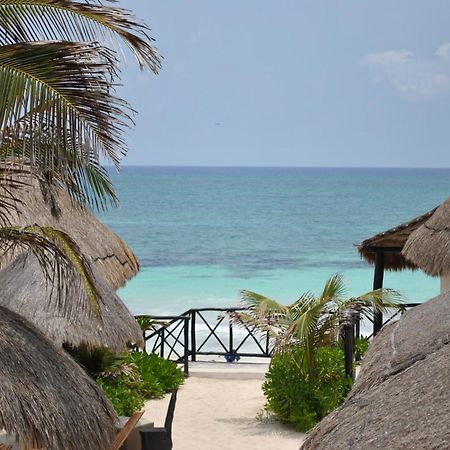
(53, 20)
(261, 306)
(56, 98)
(334, 288)
(12, 178)
(87, 182)
(61, 261)
(312, 322)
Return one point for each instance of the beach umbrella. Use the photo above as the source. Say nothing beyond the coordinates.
(26, 291)
(429, 246)
(46, 399)
(53, 207)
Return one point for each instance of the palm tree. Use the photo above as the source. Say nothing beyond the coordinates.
(312, 322)
(58, 108)
(59, 115)
(59, 112)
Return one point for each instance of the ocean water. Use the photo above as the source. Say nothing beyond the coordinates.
(203, 234)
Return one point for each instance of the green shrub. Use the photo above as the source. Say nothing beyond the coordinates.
(158, 376)
(296, 398)
(129, 379)
(361, 346)
(125, 398)
(152, 377)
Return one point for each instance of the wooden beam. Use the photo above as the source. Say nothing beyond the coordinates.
(375, 249)
(378, 284)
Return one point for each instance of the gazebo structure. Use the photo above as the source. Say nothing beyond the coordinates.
(385, 252)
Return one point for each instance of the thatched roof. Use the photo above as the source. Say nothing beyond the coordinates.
(45, 396)
(428, 247)
(394, 240)
(26, 291)
(401, 398)
(50, 206)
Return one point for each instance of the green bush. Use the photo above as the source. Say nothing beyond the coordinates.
(361, 346)
(294, 397)
(125, 398)
(129, 379)
(158, 376)
(152, 377)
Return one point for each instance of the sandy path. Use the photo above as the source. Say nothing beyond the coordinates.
(215, 414)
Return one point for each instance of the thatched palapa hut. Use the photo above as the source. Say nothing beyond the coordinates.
(428, 247)
(26, 291)
(52, 206)
(46, 399)
(401, 397)
(384, 250)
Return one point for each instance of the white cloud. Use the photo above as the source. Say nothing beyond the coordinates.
(388, 58)
(416, 77)
(443, 51)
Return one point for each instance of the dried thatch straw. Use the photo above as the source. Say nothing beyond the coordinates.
(393, 238)
(50, 206)
(26, 291)
(429, 246)
(46, 399)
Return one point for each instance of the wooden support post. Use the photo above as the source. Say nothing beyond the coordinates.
(186, 347)
(163, 338)
(231, 350)
(347, 333)
(378, 284)
(193, 339)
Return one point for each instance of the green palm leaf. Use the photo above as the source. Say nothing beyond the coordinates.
(56, 98)
(54, 20)
(261, 306)
(60, 259)
(87, 182)
(313, 321)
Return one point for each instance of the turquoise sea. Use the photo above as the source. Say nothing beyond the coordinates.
(203, 234)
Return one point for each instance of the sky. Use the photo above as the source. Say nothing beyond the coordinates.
(338, 83)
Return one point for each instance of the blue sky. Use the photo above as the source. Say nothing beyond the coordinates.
(293, 83)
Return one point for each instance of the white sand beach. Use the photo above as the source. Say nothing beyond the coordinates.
(220, 414)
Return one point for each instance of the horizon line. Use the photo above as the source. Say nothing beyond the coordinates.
(195, 166)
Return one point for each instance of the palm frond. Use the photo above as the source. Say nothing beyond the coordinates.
(12, 178)
(334, 288)
(61, 261)
(54, 20)
(260, 305)
(56, 99)
(380, 300)
(87, 182)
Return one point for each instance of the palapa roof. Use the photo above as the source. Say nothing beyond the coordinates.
(53, 206)
(401, 397)
(428, 247)
(46, 399)
(391, 242)
(26, 291)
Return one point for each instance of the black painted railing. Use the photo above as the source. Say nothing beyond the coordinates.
(169, 337)
(212, 331)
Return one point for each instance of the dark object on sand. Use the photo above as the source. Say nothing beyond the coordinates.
(160, 438)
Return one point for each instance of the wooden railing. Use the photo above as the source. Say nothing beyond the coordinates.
(195, 333)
